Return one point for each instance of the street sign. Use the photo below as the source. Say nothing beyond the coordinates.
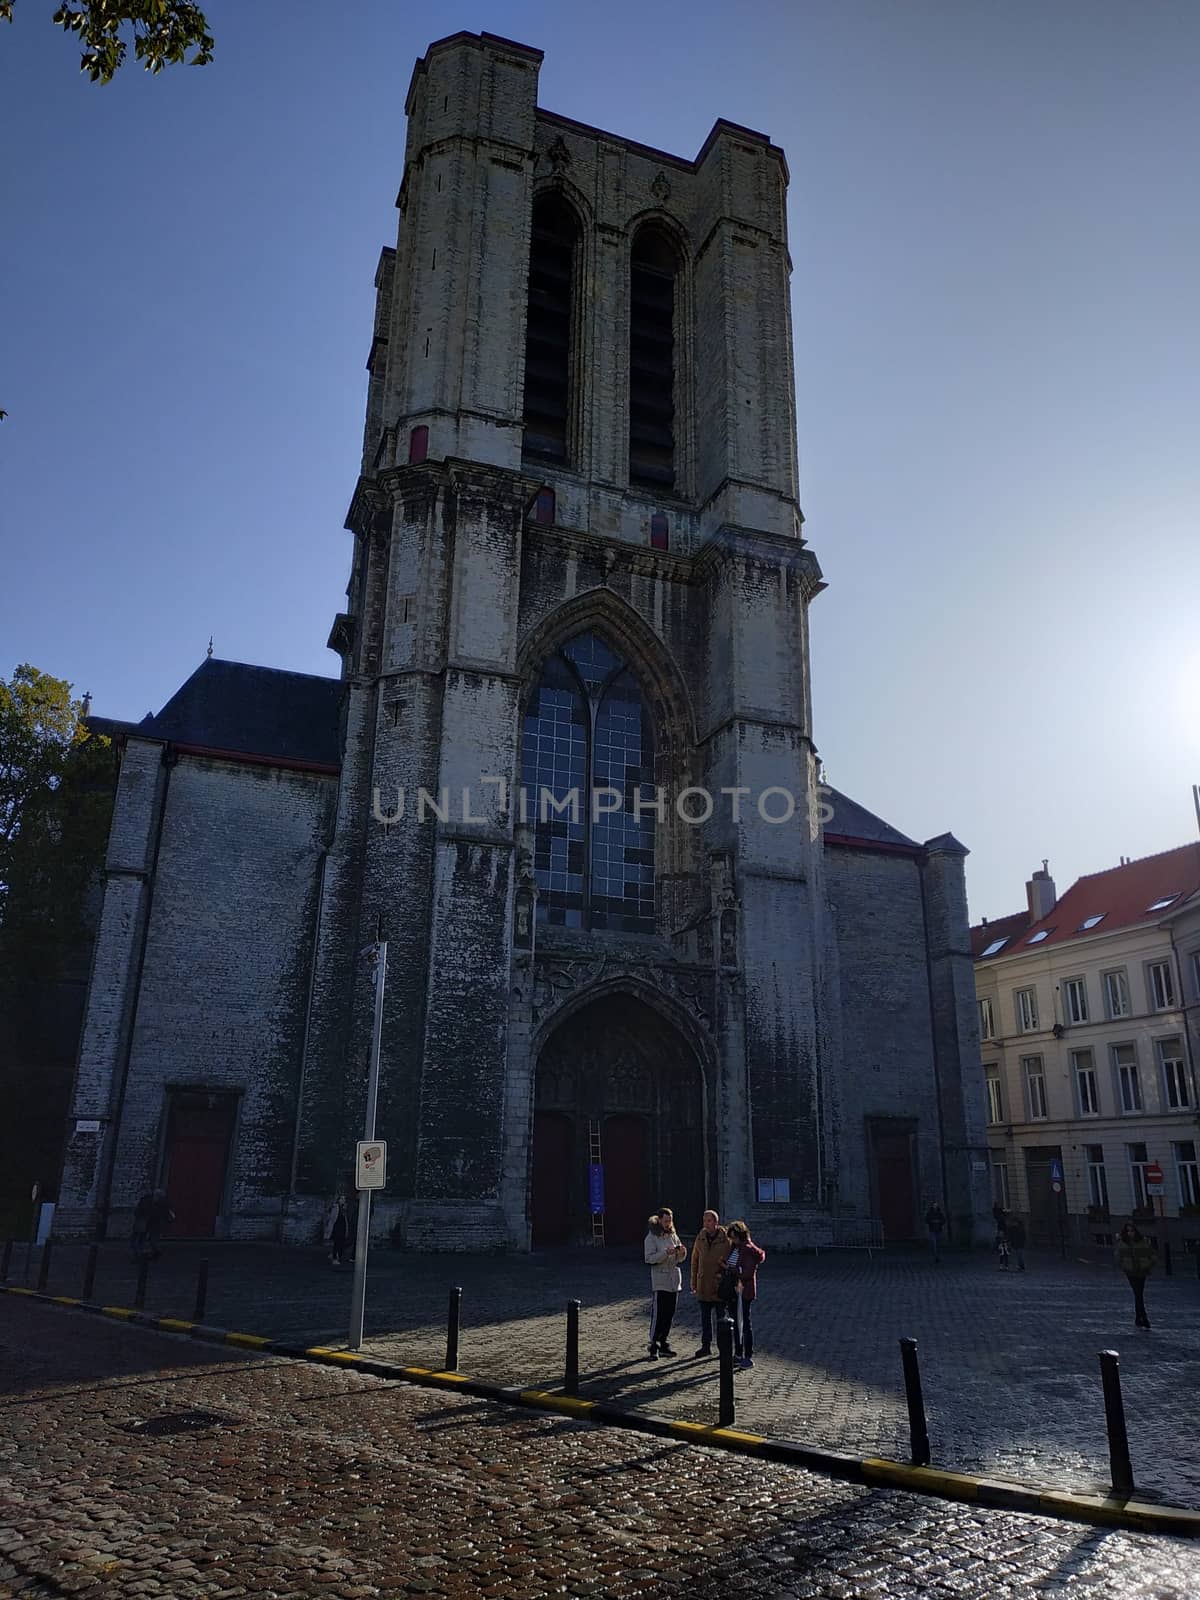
(596, 1187)
(1154, 1173)
(370, 1167)
(1155, 1188)
(1056, 1176)
(88, 1125)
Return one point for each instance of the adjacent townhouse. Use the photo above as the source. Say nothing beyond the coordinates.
(1089, 1022)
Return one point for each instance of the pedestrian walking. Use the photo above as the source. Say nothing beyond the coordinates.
(663, 1252)
(739, 1289)
(708, 1263)
(149, 1216)
(935, 1221)
(1015, 1234)
(337, 1230)
(1136, 1259)
(1001, 1218)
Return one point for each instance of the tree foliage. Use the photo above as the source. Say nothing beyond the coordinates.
(163, 32)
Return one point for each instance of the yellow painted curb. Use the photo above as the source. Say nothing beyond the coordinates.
(119, 1311)
(253, 1341)
(701, 1432)
(12, 1288)
(66, 1300)
(569, 1404)
(174, 1324)
(954, 1485)
(349, 1356)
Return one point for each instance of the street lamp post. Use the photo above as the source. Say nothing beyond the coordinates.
(358, 1293)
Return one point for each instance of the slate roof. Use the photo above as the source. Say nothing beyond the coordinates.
(1121, 897)
(852, 824)
(227, 706)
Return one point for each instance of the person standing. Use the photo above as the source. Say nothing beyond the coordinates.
(708, 1261)
(1001, 1220)
(935, 1221)
(1136, 1259)
(337, 1230)
(149, 1216)
(1016, 1241)
(663, 1251)
(740, 1288)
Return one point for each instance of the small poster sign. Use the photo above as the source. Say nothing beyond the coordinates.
(596, 1187)
(370, 1167)
(88, 1125)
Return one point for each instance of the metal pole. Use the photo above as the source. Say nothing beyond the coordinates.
(917, 1427)
(453, 1314)
(1164, 1236)
(725, 1353)
(139, 1294)
(89, 1272)
(201, 1292)
(7, 1257)
(571, 1379)
(358, 1293)
(44, 1267)
(1114, 1417)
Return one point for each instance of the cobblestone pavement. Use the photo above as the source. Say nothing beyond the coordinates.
(1009, 1361)
(301, 1480)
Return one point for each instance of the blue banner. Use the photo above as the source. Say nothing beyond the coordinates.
(596, 1186)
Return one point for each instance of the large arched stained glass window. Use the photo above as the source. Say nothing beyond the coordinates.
(587, 732)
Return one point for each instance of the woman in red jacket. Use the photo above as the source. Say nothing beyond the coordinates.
(741, 1279)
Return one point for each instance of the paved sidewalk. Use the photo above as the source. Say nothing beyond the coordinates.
(296, 1481)
(1009, 1361)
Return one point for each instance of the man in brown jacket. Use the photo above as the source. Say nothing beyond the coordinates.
(708, 1260)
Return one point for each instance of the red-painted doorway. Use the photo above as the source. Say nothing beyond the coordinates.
(894, 1182)
(551, 1203)
(199, 1134)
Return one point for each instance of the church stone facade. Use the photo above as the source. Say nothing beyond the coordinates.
(579, 568)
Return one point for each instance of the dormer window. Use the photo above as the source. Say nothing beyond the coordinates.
(1090, 922)
(1042, 933)
(995, 947)
(1163, 902)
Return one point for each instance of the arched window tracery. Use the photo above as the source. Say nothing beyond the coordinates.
(587, 730)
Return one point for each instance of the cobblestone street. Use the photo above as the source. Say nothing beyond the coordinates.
(299, 1480)
(1009, 1361)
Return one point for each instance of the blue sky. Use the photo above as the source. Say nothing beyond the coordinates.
(995, 229)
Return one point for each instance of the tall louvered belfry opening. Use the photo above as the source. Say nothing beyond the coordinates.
(653, 268)
(552, 254)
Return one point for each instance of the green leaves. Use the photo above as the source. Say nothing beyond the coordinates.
(164, 31)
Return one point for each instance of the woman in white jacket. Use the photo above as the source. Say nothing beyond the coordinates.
(663, 1251)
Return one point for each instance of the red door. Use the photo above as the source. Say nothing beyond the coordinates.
(550, 1206)
(626, 1152)
(894, 1184)
(198, 1137)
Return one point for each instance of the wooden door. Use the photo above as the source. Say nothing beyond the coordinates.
(550, 1204)
(626, 1152)
(894, 1183)
(199, 1131)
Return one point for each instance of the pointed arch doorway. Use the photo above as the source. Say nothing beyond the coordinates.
(618, 1063)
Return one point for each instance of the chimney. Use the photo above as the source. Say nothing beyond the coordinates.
(1041, 894)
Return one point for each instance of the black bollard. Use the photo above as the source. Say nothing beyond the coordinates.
(725, 1353)
(139, 1294)
(201, 1292)
(44, 1267)
(571, 1377)
(452, 1317)
(917, 1426)
(1114, 1417)
(89, 1272)
(7, 1257)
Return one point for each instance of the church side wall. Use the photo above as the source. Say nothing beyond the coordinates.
(225, 982)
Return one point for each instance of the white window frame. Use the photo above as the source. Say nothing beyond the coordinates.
(1083, 1065)
(1120, 1068)
(1187, 1172)
(1097, 1177)
(1025, 1004)
(995, 1096)
(1033, 1071)
(1137, 1176)
(1000, 1191)
(987, 1018)
(1172, 1069)
(1075, 989)
(1154, 989)
(1115, 1013)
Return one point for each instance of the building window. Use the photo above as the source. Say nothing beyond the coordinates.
(545, 507)
(586, 730)
(1137, 1175)
(1187, 1172)
(660, 537)
(1075, 1007)
(1035, 1087)
(1160, 985)
(549, 328)
(1116, 994)
(1087, 1090)
(653, 270)
(1163, 901)
(995, 1101)
(418, 444)
(1000, 1192)
(1129, 1087)
(1091, 922)
(1097, 1177)
(987, 1022)
(406, 607)
(1174, 1074)
(1027, 1011)
(994, 948)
